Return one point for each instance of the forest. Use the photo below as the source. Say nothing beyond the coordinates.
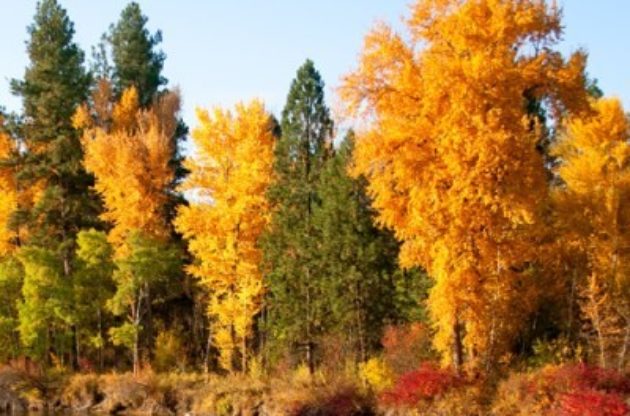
(462, 248)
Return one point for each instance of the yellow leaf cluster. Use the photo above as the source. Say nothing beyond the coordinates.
(131, 166)
(594, 155)
(228, 210)
(449, 151)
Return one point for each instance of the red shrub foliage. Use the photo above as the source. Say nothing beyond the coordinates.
(428, 382)
(582, 377)
(592, 403)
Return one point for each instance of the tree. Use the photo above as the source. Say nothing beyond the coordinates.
(227, 214)
(137, 63)
(9, 195)
(594, 153)
(356, 260)
(54, 84)
(296, 313)
(448, 152)
(93, 286)
(11, 277)
(132, 175)
(147, 262)
(130, 165)
(45, 312)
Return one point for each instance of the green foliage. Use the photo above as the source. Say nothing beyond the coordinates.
(125, 335)
(136, 60)
(147, 262)
(46, 293)
(297, 309)
(55, 83)
(356, 261)
(11, 276)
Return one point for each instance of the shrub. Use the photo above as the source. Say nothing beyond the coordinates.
(376, 374)
(574, 389)
(426, 383)
(592, 403)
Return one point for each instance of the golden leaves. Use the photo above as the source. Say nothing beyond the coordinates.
(131, 167)
(449, 148)
(228, 211)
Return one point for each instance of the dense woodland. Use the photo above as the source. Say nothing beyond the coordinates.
(473, 219)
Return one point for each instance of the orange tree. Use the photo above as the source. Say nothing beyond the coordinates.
(449, 150)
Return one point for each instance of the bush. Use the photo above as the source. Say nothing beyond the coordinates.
(574, 389)
(424, 384)
(376, 374)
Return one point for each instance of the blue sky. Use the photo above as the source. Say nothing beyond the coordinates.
(223, 51)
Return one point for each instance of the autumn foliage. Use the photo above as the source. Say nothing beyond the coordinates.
(448, 153)
(228, 212)
(130, 162)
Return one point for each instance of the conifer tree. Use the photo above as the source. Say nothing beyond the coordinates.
(137, 62)
(357, 261)
(296, 313)
(55, 83)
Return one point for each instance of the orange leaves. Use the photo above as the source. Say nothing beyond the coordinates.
(228, 211)
(449, 150)
(8, 192)
(594, 156)
(131, 167)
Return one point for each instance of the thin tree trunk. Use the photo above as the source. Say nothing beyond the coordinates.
(458, 350)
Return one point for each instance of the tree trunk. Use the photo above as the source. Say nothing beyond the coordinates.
(458, 350)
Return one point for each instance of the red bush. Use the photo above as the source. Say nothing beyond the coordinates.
(581, 377)
(592, 403)
(427, 382)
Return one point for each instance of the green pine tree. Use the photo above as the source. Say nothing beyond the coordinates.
(137, 62)
(55, 83)
(295, 316)
(357, 261)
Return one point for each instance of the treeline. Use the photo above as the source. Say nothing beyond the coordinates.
(279, 251)
(483, 156)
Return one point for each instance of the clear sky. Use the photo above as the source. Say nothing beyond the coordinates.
(223, 51)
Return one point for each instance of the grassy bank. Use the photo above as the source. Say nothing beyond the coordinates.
(570, 389)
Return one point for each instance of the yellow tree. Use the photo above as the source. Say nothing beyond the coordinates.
(228, 210)
(594, 155)
(449, 149)
(131, 164)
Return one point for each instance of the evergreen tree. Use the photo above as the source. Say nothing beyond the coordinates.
(137, 63)
(358, 261)
(54, 84)
(296, 302)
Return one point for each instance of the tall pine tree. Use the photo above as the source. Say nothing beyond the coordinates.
(357, 261)
(137, 62)
(295, 315)
(55, 83)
